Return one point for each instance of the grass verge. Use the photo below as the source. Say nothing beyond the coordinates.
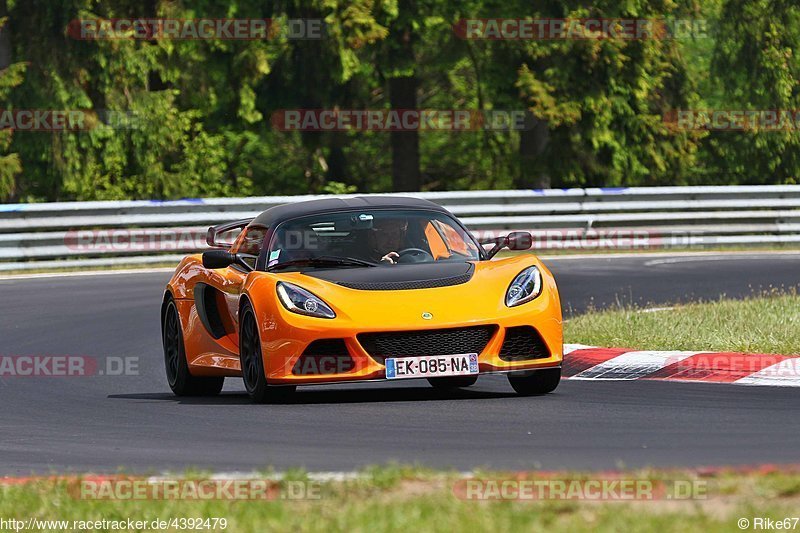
(403, 498)
(768, 323)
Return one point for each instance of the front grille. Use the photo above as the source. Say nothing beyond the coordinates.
(407, 285)
(323, 357)
(523, 343)
(427, 342)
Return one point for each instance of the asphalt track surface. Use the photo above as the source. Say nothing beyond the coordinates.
(102, 423)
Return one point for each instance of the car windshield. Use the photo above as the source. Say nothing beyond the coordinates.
(361, 239)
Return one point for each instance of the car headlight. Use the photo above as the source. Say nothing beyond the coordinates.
(525, 287)
(300, 301)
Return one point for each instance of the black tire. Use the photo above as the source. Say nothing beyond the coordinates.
(180, 380)
(252, 362)
(537, 382)
(455, 382)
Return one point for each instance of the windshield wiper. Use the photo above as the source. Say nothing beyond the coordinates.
(323, 261)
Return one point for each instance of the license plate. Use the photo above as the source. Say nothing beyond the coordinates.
(431, 366)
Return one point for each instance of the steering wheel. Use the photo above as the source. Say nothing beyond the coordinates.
(413, 255)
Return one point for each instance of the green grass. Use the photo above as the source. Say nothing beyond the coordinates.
(767, 323)
(408, 499)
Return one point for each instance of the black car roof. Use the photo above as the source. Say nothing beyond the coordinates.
(276, 215)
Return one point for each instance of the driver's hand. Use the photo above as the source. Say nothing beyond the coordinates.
(390, 258)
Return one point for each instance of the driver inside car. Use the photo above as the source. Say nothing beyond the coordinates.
(385, 238)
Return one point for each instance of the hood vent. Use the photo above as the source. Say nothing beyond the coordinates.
(406, 285)
(402, 277)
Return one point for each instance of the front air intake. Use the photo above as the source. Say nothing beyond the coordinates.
(523, 343)
(324, 357)
(426, 342)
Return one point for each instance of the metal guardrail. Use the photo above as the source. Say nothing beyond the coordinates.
(78, 234)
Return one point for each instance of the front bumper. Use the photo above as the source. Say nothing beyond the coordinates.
(286, 363)
(285, 335)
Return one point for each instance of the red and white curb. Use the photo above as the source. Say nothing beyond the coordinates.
(593, 363)
(321, 477)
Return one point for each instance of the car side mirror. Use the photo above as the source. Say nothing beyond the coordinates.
(224, 235)
(214, 259)
(519, 240)
(516, 240)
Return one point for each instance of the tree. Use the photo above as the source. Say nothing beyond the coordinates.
(403, 86)
(322, 74)
(756, 66)
(11, 75)
(196, 114)
(604, 99)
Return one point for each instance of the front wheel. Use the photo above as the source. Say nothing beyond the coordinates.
(252, 362)
(538, 382)
(457, 382)
(180, 380)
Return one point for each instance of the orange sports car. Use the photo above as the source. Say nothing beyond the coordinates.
(359, 289)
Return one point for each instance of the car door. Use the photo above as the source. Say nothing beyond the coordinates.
(217, 297)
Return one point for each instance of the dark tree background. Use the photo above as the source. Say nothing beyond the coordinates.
(199, 112)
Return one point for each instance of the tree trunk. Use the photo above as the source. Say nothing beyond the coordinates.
(5, 39)
(337, 160)
(403, 95)
(533, 140)
(405, 144)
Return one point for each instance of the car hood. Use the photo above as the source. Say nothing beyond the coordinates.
(481, 299)
(399, 277)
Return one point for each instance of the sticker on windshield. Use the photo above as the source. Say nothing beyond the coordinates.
(273, 257)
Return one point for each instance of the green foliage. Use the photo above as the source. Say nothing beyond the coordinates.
(337, 187)
(196, 113)
(10, 164)
(604, 101)
(755, 63)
